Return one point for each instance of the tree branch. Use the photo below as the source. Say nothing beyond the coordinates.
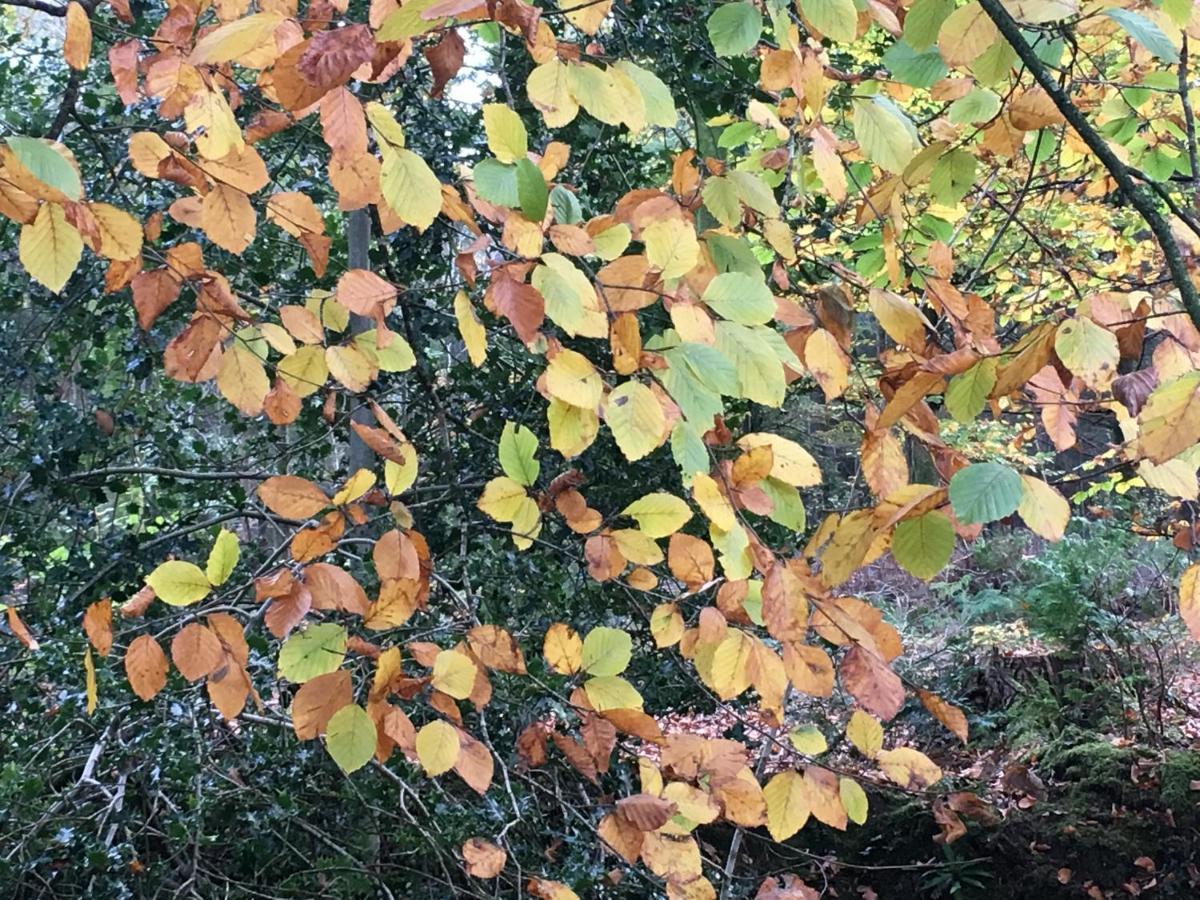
(52, 9)
(1141, 201)
(165, 473)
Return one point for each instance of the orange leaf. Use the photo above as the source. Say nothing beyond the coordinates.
(97, 624)
(146, 666)
(484, 859)
(196, 651)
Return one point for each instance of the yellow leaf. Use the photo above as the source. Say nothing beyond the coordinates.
(242, 380)
(506, 136)
(909, 768)
(671, 247)
(572, 378)
(1043, 509)
(209, 117)
(865, 733)
(222, 558)
(827, 362)
(966, 34)
(606, 651)
(77, 48)
(120, 233)
(787, 805)
(563, 649)
(659, 514)
(388, 132)
(549, 89)
(473, 333)
(236, 38)
(350, 366)
(1089, 351)
(572, 428)
(636, 419)
(304, 371)
(854, 800)
(790, 463)
(637, 547)
(453, 674)
(611, 692)
(89, 670)
(1189, 600)
(50, 247)
(526, 524)
(410, 188)
(399, 478)
(356, 485)
(903, 322)
(666, 625)
(179, 583)
(708, 496)
(501, 499)
(437, 747)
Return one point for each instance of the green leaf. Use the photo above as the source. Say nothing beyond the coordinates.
(760, 373)
(967, 392)
(740, 298)
(518, 448)
(952, 177)
(735, 28)
(979, 105)
(918, 69)
(660, 105)
(924, 20)
(496, 183)
(314, 651)
(788, 507)
(836, 19)
(179, 583)
(854, 800)
(606, 651)
(350, 738)
(687, 447)
(1146, 33)
(565, 204)
(721, 199)
(47, 165)
(531, 191)
(222, 558)
(808, 740)
(884, 133)
(922, 546)
(984, 492)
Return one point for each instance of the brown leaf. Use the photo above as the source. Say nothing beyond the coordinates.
(474, 765)
(445, 59)
(871, 682)
(577, 756)
(317, 700)
(484, 859)
(332, 56)
(950, 716)
(146, 666)
(292, 497)
(645, 811)
(97, 624)
(196, 651)
(137, 605)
